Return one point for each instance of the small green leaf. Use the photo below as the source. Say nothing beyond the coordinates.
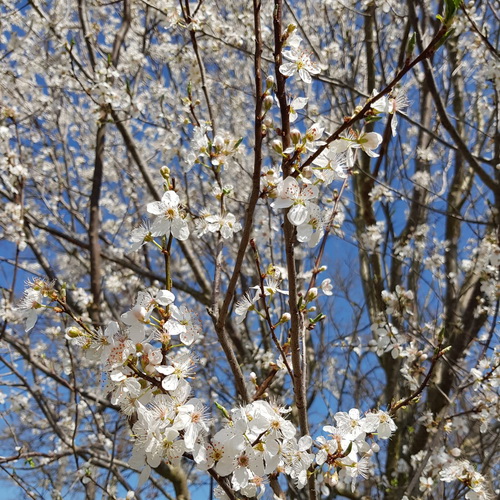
(347, 450)
(451, 7)
(319, 317)
(441, 335)
(223, 410)
(371, 119)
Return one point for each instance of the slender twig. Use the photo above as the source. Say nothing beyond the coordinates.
(328, 228)
(252, 202)
(296, 321)
(266, 382)
(349, 122)
(270, 324)
(187, 17)
(478, 31)
(412, 397)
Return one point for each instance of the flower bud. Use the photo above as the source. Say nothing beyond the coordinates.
(311, 294)
(286, 317)
(165, 172)
(295, 135)
(268, 102)
(218, 142)
(307, 172)
(269, 82)
(72, 332)
(277, 145)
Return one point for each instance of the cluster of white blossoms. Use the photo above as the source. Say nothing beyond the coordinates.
(148, 361)
(299, 192)
(148, 356)
(446, 465)
(149, 378)
(464, 471)
(216, 221)
(36, 298)
(107, 87)
(218, 151)
(346, 454)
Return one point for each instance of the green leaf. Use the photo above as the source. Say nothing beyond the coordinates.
(371, 119)
(319, 317)
(347, 450)
(223, 410)
(451, 7)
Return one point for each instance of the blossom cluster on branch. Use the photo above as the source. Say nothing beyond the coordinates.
(357, 139)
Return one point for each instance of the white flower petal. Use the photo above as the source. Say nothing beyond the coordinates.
(298, 214)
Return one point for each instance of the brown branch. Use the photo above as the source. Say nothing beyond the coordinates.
(478, 31)
(122, 33)
(249, 213)
(34, 454)
(95, 223)
(349, 122)
(192, 34)
(392, 409)
(297, 327)
(443, 115)
(193, 262)
(266, 383)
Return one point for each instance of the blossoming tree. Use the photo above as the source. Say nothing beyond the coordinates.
(261, 249)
